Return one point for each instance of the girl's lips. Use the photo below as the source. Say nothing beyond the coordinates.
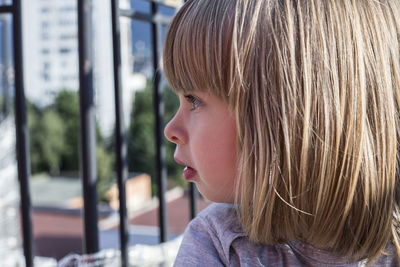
(189, 173)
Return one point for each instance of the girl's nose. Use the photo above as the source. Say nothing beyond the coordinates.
(175, 132)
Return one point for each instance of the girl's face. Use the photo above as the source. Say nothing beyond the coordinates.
(204, 132)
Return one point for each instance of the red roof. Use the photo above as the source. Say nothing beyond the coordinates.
(58, 233)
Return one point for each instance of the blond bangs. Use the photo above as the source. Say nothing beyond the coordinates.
(197, 47)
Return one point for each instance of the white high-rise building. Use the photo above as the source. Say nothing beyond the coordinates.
(50, 48)
(50, 36)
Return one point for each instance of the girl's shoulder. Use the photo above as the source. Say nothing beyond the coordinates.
(221, 219)
(209, 236)
(215, 238)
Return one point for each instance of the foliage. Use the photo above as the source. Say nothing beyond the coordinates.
(45, 127)
(104, 170)
(54, 140)
(66, 104)
(171, 105)
(141, 141)
(141, 144)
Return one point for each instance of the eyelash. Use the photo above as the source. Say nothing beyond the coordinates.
(194, 101)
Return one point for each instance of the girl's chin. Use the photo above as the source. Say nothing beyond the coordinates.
(215, 196)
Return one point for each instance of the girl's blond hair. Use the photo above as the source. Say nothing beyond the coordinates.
(314, 86)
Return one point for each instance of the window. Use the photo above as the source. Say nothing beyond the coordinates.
(45, 51)
(44, 10)
(64, 50)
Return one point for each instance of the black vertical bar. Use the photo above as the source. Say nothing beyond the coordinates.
(87, 129)
(193, 200)
(10, 84)
(22, 137)
(159, 112)
(120, 147)
(6, 65)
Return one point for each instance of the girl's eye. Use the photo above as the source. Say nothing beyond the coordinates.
(194, 101)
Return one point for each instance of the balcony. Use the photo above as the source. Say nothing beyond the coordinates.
(106, 201)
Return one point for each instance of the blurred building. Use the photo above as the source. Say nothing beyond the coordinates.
(50, 48)
(50, 30)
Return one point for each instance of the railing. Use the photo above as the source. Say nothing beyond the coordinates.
(87, 126)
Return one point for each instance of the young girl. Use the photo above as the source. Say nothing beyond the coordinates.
(289, 114)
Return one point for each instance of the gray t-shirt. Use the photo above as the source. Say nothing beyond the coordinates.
(215, 238)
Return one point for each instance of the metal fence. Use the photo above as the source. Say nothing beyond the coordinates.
(87, 125)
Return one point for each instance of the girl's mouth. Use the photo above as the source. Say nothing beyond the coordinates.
(189, 173)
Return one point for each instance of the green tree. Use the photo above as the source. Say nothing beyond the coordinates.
(54, 140)
(141, 140)
(171, 105)
(46, 139)
(66, 104)
(105, 164)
